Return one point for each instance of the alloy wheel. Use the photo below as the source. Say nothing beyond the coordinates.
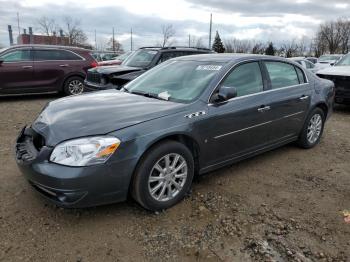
(75, 87)
(314, 128)
(168, 177)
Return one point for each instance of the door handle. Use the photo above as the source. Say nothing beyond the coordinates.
(65, 65)
(304, 97)
(27, 67)
(264, 108)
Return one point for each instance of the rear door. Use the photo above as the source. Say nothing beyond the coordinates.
(51, 66)
(289, 99)
(16, 71)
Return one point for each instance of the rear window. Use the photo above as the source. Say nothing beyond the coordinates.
(54, 55)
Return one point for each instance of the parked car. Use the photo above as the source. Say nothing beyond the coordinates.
(313, 60)
(135, 65)
(40, 69)
(116, 61)
(327, 60)
(340, 75)
(306, 64)
(187, 116)
(100, 56)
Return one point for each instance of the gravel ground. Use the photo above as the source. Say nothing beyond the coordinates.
(285, 205)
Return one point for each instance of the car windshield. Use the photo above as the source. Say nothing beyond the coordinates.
(328, 58)
(345, 61)
(123, 56)
(141, 58)
(178, 81)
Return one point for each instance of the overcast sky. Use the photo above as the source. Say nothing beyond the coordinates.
(278, 20)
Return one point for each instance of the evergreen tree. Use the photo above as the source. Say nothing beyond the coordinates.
(270, 50)
(218, 46)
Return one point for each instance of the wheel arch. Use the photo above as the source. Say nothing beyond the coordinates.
(183, 138)
(66, 78)
(323, 106)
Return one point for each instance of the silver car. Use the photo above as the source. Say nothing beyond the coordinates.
(306, 64)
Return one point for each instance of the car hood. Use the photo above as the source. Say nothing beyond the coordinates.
(115, 70)
(336, 71)
(97, 114)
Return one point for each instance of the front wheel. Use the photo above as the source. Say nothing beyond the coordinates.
(313, 129)
(164, 176)
(74, 86)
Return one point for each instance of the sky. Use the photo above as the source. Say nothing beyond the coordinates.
(277, 21)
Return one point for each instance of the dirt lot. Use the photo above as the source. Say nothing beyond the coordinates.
(285, 205)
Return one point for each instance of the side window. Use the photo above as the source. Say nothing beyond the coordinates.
(53, 55)
(301, 75)
(246, 78)
(282, 74)
(66, 55)
(17, 56)
(166, 56)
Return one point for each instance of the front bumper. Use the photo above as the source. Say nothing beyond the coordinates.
(92, 87)
(73, 187)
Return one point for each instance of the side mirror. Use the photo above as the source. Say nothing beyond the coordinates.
(1, 61)
(224, 93)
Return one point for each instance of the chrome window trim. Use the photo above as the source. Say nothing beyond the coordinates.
(264, 91)
(259, 93)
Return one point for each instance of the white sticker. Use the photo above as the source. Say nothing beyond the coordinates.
(152, 52)
(164, 95)
(209, 67)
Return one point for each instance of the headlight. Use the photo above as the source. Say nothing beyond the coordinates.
(85, 151)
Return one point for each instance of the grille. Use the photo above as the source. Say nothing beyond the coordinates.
(93, 77)
(340, 82)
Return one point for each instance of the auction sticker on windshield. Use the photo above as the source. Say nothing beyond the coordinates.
(209, 67)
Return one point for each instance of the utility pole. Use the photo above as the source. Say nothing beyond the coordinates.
(210, 26)
(131, 40)
(19, 30)
(113, 43)
(95, 41)
(189, 40)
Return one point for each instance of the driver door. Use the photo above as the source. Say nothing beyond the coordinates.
(238, 126)
(16, 71)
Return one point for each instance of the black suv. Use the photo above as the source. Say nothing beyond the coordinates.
(108, 77)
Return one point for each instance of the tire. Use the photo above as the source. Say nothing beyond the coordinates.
(148, 176)
(74, 86)
(310, 141)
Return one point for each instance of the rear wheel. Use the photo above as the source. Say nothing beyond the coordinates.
(313, 129)
(164, 176)
(74, 86)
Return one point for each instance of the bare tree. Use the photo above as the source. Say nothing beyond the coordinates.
(234, 45)
(73, 31)
(258, 48)
(47, 26)
(289, 49)
(114, 45)
(168, 32)
(197, 42)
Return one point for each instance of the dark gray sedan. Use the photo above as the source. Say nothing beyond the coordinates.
(185, 117)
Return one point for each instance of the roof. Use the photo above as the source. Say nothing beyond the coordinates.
(178, 48)
(226, 57)
(49, 46)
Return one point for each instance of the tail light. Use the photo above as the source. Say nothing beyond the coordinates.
(94, 64)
